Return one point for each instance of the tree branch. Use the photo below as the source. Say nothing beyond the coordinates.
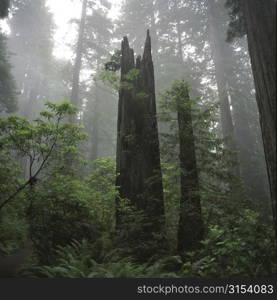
(33, 178)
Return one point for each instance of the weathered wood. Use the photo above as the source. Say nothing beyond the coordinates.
(138, 156)
(191, 228)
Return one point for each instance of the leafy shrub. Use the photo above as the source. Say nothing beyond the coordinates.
(60, 213)
(102, 192)
(246, 249)
(136, 236)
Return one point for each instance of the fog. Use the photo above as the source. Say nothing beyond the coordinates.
(72, 51)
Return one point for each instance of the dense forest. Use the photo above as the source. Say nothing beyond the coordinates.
(149, 151)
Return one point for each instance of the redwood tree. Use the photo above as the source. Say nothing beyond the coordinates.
(258, 20)
(191, 228)
(138, 156)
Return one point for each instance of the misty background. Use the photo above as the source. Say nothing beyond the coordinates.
(56, 50)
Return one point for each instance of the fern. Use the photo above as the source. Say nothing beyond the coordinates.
(74, 261)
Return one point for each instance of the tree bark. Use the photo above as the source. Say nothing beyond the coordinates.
(260, 19)
(191, 228)
(138, 156)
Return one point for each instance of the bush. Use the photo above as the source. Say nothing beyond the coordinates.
(246, 250)
(60, 213)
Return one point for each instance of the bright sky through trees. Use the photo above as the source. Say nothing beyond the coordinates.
(64, 11)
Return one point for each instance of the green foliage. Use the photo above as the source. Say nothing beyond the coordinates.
(115, 62)
(40, 140)
(102, 191)
(13, 229)
(171, 186)
(66, 208)
(244, 247)
(213, 160)
(136, 237)
(36, 139)
(43, 141)
(132, 75)
(111, 79)
(141, 96)
(9, 173)
(74, 261)
(60, 212)
(12, 222)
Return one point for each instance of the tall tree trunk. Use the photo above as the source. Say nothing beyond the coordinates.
(95, 126)
(219, 49)
(191, 228)
(74, 99)
(250, 164)
(260, 19)
(179, 32)
(251, 156)
(138, 154)
(154, 31)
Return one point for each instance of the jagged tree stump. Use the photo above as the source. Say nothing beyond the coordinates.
(138, 155)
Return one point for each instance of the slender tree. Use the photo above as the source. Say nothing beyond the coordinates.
(220, 50)
(247, 131)
(99, 105)
(190, 229)
(79, 54)
(31, 42)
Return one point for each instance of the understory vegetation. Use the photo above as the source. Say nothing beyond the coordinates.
(70, 217)
(139, 140)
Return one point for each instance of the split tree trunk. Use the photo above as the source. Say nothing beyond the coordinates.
(138, 156)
